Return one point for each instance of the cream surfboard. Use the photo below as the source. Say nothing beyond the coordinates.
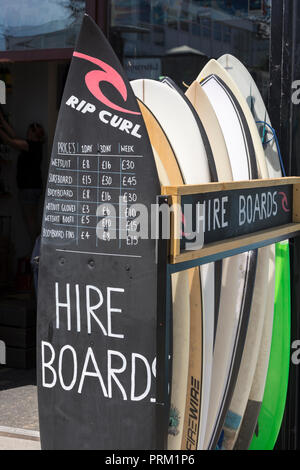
(186, 291)
(229, 305)
(250, 91)
(208, 123)
(250, 355)
(229, 346)
(190, 152)
(257, 390)
(267, 298)
(228, 308)
(252, 351)
(230, 110)
(255, 102)
(203, 107)
(214, 68)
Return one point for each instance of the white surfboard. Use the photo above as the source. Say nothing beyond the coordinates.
(214, 68)
(187, 310)
(210, 130)
(240, 150)
(251, 93)
(189, 149)
(254, 394)
(203, 107)
(250, 355)
(258, 385)
(231, 272)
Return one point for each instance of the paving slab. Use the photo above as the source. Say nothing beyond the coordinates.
(11, 443)
(18, 439)
(18, 399)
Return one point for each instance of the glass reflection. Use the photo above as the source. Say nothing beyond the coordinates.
(177, 37)
(36, 24)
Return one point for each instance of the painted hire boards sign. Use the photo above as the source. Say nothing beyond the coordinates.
(97, 290)
(229, 214)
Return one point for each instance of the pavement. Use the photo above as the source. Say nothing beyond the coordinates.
(18, 439)
(19, 423)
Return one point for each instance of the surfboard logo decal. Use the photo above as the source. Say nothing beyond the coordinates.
(107, 74)
(284, 202)
(174, 421)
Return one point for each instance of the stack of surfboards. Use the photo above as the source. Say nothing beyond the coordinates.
(230, 324)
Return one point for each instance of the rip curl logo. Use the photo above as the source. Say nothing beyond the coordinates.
(284, 202)
(108, 74)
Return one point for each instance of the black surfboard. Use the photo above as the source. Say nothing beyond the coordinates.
(97, 300)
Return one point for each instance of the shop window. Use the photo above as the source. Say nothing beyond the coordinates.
(226, 34)
(217, 31)
(158, 36)
(196, 29)
(178, 37)
(206, 27)
(35, 24)
(185, 17)
(172, 20)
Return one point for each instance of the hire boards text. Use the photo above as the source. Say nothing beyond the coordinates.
(251, 209)
(61, 367)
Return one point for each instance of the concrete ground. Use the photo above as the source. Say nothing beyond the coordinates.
(7, 443)
(18, 439)
(19, 424)
(18, 399)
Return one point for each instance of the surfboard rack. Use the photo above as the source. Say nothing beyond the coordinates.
(235, 217)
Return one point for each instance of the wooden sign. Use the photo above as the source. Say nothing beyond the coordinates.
(225, 216)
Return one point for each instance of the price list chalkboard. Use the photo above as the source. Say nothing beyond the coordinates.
(91, 198)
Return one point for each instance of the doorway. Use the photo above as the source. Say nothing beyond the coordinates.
(33, 96)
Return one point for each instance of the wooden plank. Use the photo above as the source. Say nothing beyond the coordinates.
(296, 203)
(175, 221)
(162, 146)
(183, 190)
(236, 243)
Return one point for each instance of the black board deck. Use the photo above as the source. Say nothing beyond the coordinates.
(97, 292)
